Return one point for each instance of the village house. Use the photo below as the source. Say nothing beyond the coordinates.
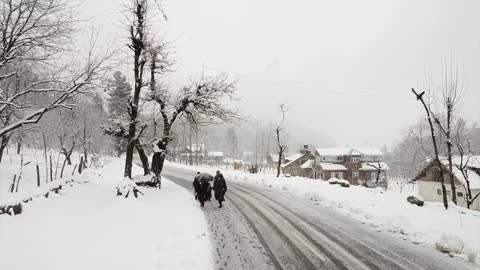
(215, 157)
(293, 164)
(357, 165)
(430, 188)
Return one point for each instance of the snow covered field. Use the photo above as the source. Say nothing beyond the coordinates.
(87, 227)
(455, 230)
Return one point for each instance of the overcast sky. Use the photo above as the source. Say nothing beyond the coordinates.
(345, 68)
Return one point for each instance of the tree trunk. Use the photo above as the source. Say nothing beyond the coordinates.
(143, 158)
(449, 152)
(67, 157)
(3, 145)
(85, 152)
(137, 36)
(279, 164)
(158, 158)
(19, 147)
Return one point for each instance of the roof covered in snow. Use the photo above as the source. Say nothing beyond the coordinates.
(473, 173)
(332, 167)
(373, 166)
(308, 164)
(349, 151)
(334, 151)
(293, 157)
(472, 176)
(369, 151)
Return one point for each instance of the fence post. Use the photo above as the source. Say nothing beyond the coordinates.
(18, 182)
(13, 184)
(74, 168)
(38, 176)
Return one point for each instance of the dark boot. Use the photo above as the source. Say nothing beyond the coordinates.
(220, 202)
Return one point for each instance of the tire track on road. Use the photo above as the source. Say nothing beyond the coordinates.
(362, 252)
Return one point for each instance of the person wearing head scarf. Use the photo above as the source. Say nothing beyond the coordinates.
(220, 187)
(196, 185)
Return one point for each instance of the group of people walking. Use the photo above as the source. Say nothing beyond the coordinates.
(203, 189)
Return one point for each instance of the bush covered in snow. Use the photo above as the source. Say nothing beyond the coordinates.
(127, 187)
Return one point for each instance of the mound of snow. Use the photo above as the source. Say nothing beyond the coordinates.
(450, 243)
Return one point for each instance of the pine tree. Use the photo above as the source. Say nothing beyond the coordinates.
(120, 91)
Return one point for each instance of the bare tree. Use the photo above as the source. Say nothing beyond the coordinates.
(435, 144)
(451, 97)
(34, 34)
(378, 166)
(282, 146)
(201, 102)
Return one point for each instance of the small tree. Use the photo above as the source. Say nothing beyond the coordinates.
(119, 91)
(465, 154)
(378, 166)
(282, 146)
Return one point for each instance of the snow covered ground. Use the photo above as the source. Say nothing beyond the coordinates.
(87, 227)
(455, 230)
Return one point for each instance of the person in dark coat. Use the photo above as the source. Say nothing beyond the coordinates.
(220, 187)
(196, 185)
(202, 192)
(209, 192)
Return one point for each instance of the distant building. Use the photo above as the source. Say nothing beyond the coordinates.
(430, 188)
(357, 165)
(216, 157)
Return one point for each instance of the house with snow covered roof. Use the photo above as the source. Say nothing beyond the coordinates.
(298, 164)
(430, 188)
(357, 165)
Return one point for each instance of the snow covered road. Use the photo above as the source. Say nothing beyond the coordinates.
(260, 228)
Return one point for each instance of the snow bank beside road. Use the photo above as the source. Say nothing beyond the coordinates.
(430, 225)
(88, 227)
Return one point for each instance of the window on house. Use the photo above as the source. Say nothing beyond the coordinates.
(321, 175)
(332, 175)
(354, 159)
(449, 192)
(339, 158)
(340, 175)
(439, 191)
(460, 194)
(355, 174)
(374, 176)
(323, 158)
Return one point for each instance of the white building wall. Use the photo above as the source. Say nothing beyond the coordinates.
(429, 191)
